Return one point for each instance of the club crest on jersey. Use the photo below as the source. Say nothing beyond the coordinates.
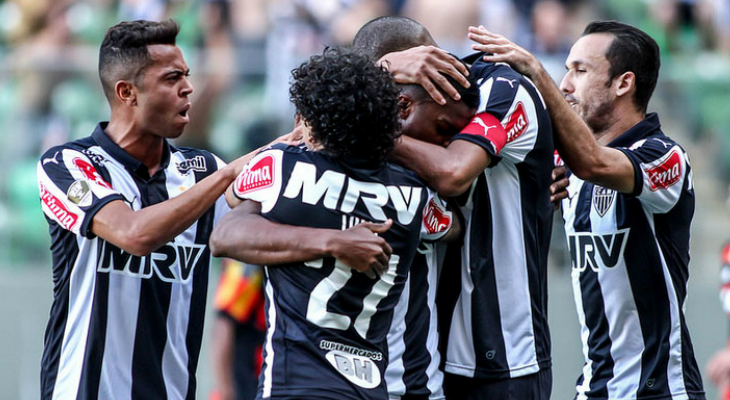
(90, 172)
(602, 199)
(517, 123)
(66, 218)
(435, 219)
(258, 176)
(79, 193)
(667, 173)
(361, 371)
(196, 164)
(595, 250)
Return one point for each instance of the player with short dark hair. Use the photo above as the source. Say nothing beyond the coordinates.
(387, 34)
(129, 217)
(628, 214)
(493, 312)
(413, 370)
(327, 322)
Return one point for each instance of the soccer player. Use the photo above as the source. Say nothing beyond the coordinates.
(129, 217)
(628, 214)
(413, 370)
(493, 313)
(327, 322)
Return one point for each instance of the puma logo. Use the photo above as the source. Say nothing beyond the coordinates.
(51, 160)
(486, 128)
(510, 81)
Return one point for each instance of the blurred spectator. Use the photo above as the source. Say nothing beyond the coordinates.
(688, 24)
(446, 20)
(216, 63)
(151, 10)
(300, 28)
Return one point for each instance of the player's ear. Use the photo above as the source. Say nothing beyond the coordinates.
(405, 106)
(624, 84)
(126, 92)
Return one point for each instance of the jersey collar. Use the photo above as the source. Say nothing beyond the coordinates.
(642, 130)
(130, 163)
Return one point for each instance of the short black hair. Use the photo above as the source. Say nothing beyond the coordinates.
(123, 54)
(469, 96)
(350, 103)
(631, 50)
(384, 35)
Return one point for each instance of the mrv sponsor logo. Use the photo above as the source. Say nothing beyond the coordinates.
(595, 251)
(355, 364)
(171, 263)
(336, 188)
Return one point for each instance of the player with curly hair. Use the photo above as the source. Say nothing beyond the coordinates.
(329, 294)
(355, 115)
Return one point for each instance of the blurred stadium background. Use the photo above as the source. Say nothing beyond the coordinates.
(241, 53)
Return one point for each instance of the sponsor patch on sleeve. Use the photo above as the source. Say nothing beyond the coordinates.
(436, 219)
(666, 173)
(517, 123)
(58, 209)
(256, 176)
(487, 126)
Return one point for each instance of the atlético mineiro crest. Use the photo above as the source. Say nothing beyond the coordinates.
(602, 199)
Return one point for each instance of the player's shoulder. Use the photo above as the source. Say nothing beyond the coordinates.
(656, 143)
(405, 174)
(190, 152)
(78, 147)
(483, 71)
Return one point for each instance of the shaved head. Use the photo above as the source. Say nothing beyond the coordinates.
(388, 34)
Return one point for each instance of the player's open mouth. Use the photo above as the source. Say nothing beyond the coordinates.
(184, 112)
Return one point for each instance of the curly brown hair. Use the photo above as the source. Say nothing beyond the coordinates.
(350, 103)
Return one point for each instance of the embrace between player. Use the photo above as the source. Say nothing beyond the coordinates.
(337, 277)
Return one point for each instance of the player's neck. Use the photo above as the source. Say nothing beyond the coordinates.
(145, 148)
(622, 121)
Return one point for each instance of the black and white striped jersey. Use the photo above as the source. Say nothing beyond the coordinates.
(630, 267)
(327, 324)
(413, 355)
(496, 312)
(122, 326)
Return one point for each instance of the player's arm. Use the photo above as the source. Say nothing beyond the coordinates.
(141, 232)
(448, 170)
(424, 65)
(574, 140)
(243, 234)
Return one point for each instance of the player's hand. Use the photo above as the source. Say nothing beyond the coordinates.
(718, 369)
(559, 187)
(361, 249)
(423, 66)
(502, 49)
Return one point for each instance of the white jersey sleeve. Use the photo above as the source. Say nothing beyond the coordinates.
(261, 179)
(71, 189)
(661, 172)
